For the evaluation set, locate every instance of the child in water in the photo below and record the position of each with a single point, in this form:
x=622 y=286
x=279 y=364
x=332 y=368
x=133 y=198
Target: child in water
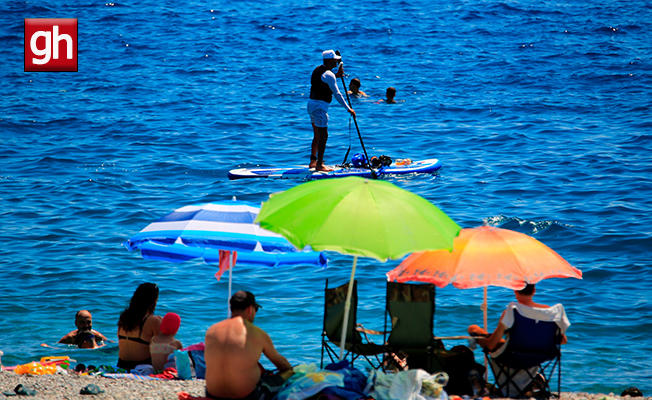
x=390 y=93
x=86 y=340
x=161 y=346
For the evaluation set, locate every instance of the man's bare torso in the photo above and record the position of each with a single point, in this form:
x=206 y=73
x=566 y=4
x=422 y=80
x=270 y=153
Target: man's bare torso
x=233 y=348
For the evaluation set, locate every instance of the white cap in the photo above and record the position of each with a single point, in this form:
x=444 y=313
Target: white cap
x=330 y=54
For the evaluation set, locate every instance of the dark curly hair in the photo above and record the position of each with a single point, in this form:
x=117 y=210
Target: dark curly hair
x=142 y=302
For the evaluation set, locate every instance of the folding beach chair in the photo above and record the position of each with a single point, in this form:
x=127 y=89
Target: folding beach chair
x=355 y=346
x=528 y=362
x=411 y=309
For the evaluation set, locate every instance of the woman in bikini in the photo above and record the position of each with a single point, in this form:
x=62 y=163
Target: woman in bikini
x=136 y=327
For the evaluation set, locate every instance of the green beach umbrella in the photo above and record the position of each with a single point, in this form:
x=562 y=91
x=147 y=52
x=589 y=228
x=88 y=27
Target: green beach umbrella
x=358 y=217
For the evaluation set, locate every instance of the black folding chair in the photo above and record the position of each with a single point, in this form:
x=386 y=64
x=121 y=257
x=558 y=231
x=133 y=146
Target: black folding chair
x=355 y=346
x=411 y=310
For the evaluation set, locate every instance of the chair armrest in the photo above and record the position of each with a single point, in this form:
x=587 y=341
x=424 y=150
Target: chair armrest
x=360 y=328
x=460 y=337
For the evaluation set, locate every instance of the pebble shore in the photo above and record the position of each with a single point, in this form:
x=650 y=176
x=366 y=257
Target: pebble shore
x=57 y=387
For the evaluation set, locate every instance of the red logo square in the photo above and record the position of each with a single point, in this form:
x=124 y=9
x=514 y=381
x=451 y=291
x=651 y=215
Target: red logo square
x=50 y=44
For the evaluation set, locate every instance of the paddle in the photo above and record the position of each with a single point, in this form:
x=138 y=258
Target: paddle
x=355 y=121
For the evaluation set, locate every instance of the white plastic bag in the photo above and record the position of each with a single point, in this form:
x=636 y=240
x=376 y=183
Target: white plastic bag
x=407 y=385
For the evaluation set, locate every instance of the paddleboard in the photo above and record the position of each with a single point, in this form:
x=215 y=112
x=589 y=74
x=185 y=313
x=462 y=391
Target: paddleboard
x=302 y=172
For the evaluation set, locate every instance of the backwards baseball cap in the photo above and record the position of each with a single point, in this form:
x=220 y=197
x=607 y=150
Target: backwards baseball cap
x=241 y=300
x=170 y=324
x=330 y=54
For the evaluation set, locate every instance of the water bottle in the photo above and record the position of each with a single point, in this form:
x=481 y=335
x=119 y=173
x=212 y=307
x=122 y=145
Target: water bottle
x=476 y=382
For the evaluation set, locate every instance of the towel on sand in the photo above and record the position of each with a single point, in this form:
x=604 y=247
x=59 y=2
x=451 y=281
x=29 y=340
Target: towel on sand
x=187 y=396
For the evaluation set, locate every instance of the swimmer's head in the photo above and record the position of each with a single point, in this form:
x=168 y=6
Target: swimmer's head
x=83 y=320
x=85 y=340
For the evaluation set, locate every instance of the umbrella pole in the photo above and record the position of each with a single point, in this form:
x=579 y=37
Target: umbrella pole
x=228 y=302
x=484 y=308
x=347 y=307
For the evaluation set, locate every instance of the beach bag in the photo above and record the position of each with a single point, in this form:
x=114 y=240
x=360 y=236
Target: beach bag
x=457 y=363
x=382 y=161
x=198 y=363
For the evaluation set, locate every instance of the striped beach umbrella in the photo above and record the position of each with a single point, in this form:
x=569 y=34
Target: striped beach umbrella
x=209 y=230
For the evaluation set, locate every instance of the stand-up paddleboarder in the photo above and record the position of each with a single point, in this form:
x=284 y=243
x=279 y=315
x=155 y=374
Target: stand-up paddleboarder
x=323 y=86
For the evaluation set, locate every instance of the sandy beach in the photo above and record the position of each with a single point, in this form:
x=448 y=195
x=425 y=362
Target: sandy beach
x=68 y=387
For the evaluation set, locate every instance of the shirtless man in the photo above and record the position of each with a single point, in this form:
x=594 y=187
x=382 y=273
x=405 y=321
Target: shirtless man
x=233 y=348
x=494 y=341
x=323 y=86
x=390 y=93
x=354 y=88
x=84 y=323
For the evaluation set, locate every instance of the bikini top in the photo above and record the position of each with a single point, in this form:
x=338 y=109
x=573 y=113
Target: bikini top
x=137 y=339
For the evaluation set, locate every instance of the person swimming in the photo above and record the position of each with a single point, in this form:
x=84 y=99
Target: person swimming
x=354 y=88
x=390 y=93
x=86 y=340
x=84 y=323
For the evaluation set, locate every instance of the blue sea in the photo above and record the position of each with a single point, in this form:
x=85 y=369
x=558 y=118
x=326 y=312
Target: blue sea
x=541 y=112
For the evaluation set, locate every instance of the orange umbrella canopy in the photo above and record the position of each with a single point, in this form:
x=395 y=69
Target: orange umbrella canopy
x=486 y=256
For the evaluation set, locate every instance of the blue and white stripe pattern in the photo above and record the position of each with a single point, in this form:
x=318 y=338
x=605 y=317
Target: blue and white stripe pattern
x=200 y=231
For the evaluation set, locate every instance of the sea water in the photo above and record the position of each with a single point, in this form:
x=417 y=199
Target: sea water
x=539 y=110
